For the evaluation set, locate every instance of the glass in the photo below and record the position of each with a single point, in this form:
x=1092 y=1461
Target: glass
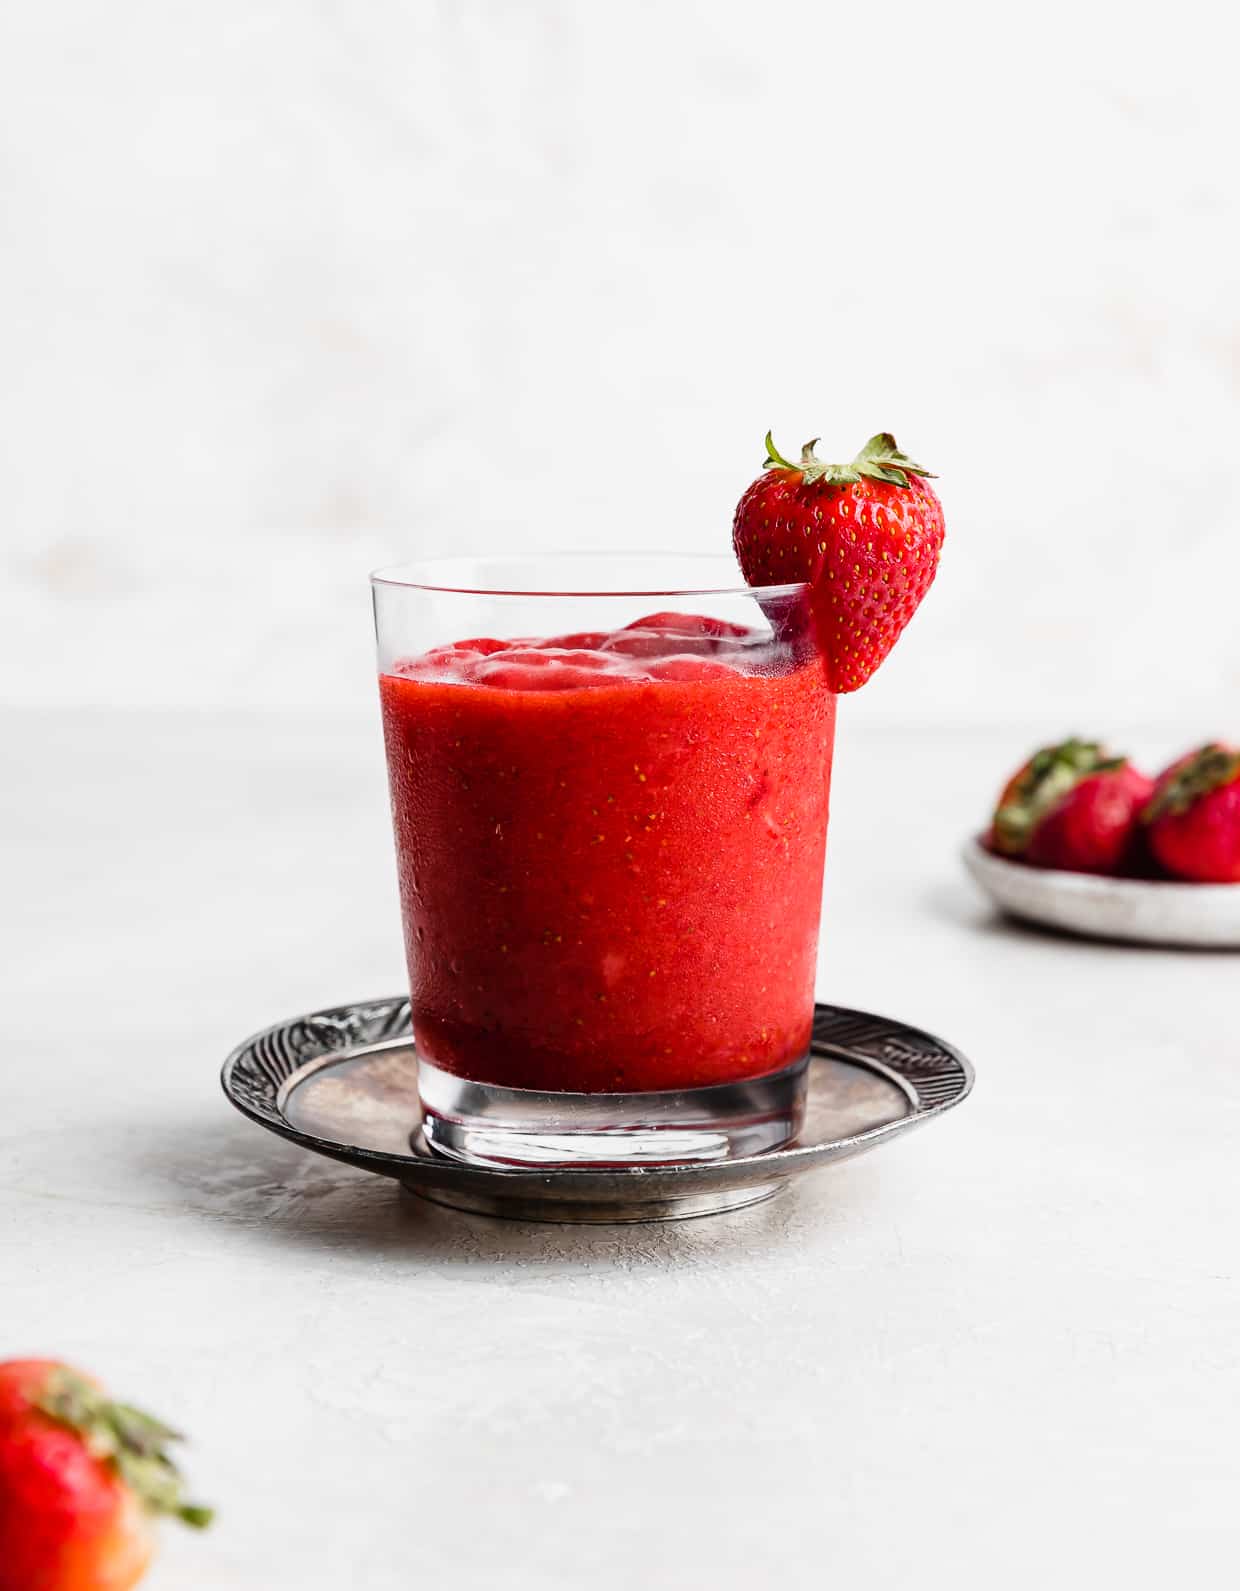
x=609 y=781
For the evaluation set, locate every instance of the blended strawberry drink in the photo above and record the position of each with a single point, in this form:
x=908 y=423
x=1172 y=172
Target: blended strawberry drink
x=610 y=846
x=609 y=785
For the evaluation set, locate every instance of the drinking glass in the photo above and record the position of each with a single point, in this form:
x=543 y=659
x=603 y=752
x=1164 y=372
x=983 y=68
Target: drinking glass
x=609 y=781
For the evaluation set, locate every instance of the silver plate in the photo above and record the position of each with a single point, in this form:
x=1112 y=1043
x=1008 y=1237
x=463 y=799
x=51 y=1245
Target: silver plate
x=343 y=1082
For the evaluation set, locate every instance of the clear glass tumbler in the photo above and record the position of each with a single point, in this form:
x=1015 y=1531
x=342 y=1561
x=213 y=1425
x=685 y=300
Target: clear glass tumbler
x=609 y=781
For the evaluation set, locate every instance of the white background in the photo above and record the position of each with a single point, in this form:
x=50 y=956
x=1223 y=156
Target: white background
x=291 y=288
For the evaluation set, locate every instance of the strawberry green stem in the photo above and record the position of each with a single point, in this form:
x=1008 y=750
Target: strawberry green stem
x=133 y=1443
x=879 y=460
x=1214 y=765
x=775 y=459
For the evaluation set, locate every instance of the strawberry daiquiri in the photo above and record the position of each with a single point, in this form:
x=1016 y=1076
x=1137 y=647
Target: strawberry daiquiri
x=609 y=785
x=611 y=853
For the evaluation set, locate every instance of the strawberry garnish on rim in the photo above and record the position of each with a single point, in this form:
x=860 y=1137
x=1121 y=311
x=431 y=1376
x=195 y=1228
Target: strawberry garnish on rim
x=866 y=536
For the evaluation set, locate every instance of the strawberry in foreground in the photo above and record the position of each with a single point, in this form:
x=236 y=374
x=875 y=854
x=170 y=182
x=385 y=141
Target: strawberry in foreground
x=1072 y=806
x=81 y=1481
x=1192 y=822
x=865 y=535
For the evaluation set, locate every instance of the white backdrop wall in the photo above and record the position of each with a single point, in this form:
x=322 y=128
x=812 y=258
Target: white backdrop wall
x=294 y=287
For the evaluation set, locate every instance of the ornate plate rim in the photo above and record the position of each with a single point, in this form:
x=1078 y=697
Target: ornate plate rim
x=263 y=1050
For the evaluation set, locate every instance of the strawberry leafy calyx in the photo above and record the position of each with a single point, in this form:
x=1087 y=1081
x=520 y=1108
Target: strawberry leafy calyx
x=1048 y=776
x=1210 y=768
x=879 y=460
x=132 y=1443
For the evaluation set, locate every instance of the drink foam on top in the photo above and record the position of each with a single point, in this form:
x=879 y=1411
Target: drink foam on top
x=663 y=646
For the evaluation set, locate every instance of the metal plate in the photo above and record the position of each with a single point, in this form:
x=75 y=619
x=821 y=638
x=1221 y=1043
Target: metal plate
x=1141 y=911
x=343 y=1082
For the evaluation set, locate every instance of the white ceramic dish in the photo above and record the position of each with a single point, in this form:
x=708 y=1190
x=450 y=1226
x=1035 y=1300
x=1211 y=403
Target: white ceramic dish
x=1144 y=911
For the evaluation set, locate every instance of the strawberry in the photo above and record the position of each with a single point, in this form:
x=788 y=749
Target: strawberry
x=81 y=1479
x=1192 y=823
x=1072 y=806
x=865 y=536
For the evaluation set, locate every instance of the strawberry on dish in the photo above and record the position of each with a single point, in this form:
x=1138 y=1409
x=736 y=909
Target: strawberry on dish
x=1192 y=822
x=1072 y=806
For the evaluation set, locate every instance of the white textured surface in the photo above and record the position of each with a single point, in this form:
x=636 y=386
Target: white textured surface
x=289 y=288
x=1002 y=1352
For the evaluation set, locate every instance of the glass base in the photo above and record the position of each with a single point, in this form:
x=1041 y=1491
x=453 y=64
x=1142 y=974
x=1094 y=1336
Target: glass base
x=483 y=1124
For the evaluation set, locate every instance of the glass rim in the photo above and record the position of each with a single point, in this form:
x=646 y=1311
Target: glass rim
x=434 y=575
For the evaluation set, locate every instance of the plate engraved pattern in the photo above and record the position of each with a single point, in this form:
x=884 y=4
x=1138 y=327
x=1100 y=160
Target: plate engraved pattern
x=935 y=1073
x=255 y=1073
